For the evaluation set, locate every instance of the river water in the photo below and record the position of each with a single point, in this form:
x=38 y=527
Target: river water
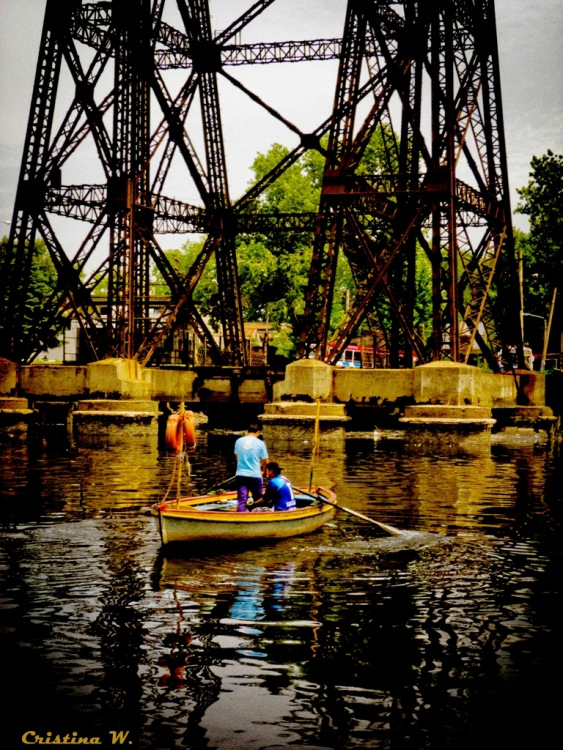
x=448 y=636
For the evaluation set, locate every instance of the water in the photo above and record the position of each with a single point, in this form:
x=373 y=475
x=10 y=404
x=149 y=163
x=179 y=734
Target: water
x=446 y=637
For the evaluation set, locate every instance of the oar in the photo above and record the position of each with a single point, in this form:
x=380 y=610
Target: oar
x=389 y=529
x=221 y=484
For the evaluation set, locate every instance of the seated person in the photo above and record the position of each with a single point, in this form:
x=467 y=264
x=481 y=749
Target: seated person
x=279 y=493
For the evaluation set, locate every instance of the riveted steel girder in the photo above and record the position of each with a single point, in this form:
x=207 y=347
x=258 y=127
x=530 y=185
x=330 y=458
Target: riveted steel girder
x=421 y=77
x=448 y=194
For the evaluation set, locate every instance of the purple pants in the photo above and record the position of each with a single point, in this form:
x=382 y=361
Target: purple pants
x=245 y=485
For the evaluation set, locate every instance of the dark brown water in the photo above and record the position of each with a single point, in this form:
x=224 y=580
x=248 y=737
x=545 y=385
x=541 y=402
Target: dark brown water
x=446 y=637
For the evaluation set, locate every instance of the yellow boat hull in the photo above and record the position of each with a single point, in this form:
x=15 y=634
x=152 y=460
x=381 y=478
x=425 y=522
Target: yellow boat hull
x=203 y=519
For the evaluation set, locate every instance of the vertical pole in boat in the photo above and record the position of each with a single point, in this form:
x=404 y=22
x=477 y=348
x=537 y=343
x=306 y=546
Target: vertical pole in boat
x=315 y=444
x=548 y=331
x=180 y=451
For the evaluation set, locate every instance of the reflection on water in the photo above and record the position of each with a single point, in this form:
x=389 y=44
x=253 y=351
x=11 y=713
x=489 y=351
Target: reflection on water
x=445 y=637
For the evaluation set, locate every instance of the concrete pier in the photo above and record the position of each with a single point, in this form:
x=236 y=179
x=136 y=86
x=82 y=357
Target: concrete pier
x=116 y=418
x=515 y=424
x=15 y=416
x=358 y=400
x=447 y=426
x=292 y=415
x=449 y=412
x=295 y=421
x=51 y=413
x=306 y=380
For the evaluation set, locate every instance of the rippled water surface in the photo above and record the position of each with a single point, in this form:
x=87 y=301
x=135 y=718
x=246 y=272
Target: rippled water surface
x=448 y=636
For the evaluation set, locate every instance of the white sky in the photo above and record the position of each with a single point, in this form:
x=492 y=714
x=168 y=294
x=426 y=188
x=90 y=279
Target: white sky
x=530 y=34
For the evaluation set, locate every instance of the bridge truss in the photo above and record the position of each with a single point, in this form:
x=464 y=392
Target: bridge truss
x=424 y=76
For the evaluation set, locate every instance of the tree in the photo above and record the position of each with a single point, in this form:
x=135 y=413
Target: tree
x=38 y=322
x=542 y=248
x=273 y=270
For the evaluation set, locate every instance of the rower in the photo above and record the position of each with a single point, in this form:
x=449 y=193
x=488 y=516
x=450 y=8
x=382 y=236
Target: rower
x=279 y=493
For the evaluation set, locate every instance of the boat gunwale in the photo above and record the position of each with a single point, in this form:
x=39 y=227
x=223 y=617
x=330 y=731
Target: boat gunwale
x=232 y=516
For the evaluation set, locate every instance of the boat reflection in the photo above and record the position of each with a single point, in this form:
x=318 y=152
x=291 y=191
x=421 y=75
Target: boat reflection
x=240 y=630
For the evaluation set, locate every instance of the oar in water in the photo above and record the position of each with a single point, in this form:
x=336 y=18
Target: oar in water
x=389 y=529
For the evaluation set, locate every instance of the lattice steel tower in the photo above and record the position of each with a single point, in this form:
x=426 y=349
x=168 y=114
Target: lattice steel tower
x=422 y=76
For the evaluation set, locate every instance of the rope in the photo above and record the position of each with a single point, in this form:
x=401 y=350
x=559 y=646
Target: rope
x=170 y=485
x=181 y=458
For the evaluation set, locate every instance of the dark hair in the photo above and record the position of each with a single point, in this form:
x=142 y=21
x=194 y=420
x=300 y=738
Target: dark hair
x=253 y=427
x=275 y=467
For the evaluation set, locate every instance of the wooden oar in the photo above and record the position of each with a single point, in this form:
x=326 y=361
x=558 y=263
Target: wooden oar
x=389 y=529
x=221 y=484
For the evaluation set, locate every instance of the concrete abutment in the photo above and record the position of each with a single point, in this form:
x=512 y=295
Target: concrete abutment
x=427 y=403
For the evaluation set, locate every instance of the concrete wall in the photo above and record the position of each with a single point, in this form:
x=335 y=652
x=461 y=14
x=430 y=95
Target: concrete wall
x=8 y=377
x=229 y=389
x=306 y=378
x=372 y=386
x=214 y=390
x=117 y=378
x=253 y=391
x=172 y=385
x=61 y=381
x=531 y=388
x=497 y=390
x=437 y=382
x=445 y=383
x=455 y=383
x=126 y=379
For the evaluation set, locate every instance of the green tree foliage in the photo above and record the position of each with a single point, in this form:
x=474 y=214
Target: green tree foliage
x=273 y=269
x=542 y=248
x=297 y=189
x=422 y=317
x=382 y=157
x=206 y=294
x=382 y=153
x=42 y=282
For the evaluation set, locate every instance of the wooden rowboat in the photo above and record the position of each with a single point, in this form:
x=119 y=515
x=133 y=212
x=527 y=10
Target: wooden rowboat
x=215 y=517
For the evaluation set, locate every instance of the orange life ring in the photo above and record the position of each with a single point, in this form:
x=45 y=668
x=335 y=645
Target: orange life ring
x=180 y=432
x=189 y=431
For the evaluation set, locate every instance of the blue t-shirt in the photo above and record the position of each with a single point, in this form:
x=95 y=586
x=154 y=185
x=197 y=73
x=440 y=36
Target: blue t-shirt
x=250 y=451
x=279 y=492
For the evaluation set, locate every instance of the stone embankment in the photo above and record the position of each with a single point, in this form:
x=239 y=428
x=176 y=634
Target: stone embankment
x=439 y=403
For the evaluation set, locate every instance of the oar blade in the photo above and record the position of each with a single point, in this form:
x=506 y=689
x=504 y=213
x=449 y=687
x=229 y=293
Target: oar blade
x=385 y=526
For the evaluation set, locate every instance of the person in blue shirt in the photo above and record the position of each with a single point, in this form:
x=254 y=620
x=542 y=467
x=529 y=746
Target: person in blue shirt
x=278 y=494
x=252 y=456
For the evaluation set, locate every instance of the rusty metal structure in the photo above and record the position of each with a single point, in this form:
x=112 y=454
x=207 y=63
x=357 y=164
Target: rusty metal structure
x=422 y=78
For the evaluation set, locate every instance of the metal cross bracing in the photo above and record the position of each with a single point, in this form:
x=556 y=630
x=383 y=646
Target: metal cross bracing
x=421 y=76
x=433 y=69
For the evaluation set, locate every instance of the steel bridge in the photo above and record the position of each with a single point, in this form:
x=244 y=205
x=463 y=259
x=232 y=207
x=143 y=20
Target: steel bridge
x=425 y=76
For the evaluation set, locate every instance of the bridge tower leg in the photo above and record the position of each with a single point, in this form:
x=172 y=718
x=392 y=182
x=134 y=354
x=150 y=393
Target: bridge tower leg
x=414 y=194
x=421 y=180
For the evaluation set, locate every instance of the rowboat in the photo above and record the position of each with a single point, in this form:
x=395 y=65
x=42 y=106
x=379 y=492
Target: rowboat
x=215 y=518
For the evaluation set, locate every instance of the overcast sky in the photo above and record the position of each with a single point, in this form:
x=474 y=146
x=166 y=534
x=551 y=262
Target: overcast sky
x=530 y=35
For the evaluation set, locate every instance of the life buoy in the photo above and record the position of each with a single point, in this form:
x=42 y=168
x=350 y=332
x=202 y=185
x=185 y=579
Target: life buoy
x=189 y=431
x=172 y=432
x=180 y=432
